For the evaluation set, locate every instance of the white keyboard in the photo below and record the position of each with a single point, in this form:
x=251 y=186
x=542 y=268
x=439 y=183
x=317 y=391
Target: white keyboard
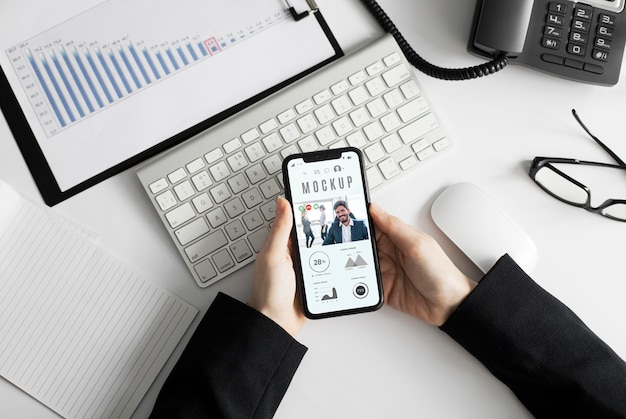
x=216 y=192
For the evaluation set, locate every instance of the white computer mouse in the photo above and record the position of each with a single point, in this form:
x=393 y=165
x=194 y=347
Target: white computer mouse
x=481 y=228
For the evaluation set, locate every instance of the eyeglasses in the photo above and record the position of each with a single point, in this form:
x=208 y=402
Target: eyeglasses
x=551 y=174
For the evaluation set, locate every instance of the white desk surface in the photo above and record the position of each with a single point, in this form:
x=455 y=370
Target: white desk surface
x=386 y=364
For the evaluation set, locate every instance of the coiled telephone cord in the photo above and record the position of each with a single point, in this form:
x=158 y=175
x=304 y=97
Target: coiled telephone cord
x=498 y=63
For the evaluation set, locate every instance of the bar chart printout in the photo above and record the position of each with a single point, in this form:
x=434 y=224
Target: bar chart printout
x=69 y=77
x=109 y=86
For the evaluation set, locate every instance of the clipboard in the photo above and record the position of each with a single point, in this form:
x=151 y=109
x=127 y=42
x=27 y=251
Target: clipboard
x=119 y=82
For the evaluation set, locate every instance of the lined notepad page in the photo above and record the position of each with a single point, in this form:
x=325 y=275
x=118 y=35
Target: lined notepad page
x=79 y=331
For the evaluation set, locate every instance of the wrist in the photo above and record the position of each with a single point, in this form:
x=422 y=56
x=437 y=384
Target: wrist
x=461 y=291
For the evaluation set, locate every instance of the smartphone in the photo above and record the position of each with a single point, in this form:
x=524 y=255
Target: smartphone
x=333 y=238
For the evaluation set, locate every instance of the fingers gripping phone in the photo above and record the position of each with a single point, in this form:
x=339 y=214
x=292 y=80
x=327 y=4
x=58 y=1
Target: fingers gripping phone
x=333 y=239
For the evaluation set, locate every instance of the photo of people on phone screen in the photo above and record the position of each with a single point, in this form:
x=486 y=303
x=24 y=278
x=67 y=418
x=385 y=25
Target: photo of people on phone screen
x=334 y=221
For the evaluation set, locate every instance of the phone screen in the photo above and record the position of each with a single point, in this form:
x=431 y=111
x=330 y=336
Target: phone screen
x=333 y=238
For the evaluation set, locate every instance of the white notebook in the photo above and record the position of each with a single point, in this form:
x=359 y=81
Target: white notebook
x=79 y=331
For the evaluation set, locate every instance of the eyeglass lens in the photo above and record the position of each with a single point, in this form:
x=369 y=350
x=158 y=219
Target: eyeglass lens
x=561 y=186
x=617 y=211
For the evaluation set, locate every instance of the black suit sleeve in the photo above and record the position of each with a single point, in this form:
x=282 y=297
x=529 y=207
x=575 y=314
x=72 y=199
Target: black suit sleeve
x=238 y=364
x=539 y=348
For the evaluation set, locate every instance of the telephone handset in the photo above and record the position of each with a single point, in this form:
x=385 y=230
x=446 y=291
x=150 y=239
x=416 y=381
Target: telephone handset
x=581 y=41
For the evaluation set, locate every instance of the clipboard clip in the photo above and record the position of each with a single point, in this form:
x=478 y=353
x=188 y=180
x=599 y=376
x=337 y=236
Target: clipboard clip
x=298 y=16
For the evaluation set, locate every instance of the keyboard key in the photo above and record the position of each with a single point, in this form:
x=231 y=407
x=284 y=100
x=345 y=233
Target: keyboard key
x=420 y=145
x=269 y=188
x=216 y=217
x=268 y=125
x=241 y=250
x=180 y=215
x=307 y=124
x=322 y=97
x=205 y=270
x=286 y=116
x=326 y=135
x=158 y=186
x=235 y=230
x=425 y=153
x=177 y=175
x=341 y=105
x=223 y=261
x=356 y=139
x=413 y=109
x=375 y=68
x=408 y=163
x=252 y=220
x=418 y=128
x=192 y=231
x=184 y=190
x=308 y=144
x=359 y=96
x=441 y=144
x=195 y=165
x=289 y=133
x=374 y=152
x=324 y=114
x=396 y=75
x=202 y=180
x=376 y=107
x=213 y=156
x=255 y=174
x=251 y=198
x=273 y=164
x=166 y=200
x=392 y=59
x=340 y=87
x=219 y=171
x=220 y=193
x=393 y=98
x=358 y=77
x=237 y=161
x=272 y=142
x=375 y=86
x=391 y=143
x=234 y=208
x=410 y=89
x=238 y=183
x=232 y=145
x=202 y=202
x=342 y=127
x=390 y=122
x=304 y=106
x=250 y=135
x=389 y=168
x=359 y=117
x=374 y=131
x=255 y=152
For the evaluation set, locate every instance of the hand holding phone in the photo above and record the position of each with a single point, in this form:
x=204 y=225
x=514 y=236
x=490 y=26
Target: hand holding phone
x=329 y=196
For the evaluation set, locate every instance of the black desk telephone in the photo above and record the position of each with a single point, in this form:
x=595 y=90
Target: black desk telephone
x=581 y=41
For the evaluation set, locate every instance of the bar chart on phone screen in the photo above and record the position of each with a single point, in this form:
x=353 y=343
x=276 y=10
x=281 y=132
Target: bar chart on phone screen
x=92 y=61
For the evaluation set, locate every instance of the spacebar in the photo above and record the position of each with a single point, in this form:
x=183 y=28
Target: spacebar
x=207 y=245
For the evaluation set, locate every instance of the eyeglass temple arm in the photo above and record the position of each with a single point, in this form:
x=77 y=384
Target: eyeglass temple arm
x=597 y=140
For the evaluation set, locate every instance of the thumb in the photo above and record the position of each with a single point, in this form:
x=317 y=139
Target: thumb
x=279 y=235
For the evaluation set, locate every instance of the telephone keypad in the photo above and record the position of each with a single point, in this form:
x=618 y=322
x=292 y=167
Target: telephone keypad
x=572 y=32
